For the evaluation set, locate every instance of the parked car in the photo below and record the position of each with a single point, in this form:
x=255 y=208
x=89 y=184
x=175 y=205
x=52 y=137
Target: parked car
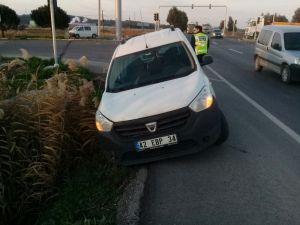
x=158 y=103
x=278 y=49
x=216 y=33
x=83 y=32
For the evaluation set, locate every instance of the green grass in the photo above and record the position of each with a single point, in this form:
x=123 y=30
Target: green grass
x=88 y=195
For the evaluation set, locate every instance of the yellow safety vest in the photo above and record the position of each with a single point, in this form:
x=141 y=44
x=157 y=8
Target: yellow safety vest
x=201 y=43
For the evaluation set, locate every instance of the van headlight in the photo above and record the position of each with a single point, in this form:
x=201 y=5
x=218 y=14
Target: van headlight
x=297 y=61
x=103 y=124
x=204 y=100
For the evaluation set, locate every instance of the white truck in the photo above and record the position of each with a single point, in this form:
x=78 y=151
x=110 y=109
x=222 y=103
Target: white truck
x=83 y=31
x=254 y=27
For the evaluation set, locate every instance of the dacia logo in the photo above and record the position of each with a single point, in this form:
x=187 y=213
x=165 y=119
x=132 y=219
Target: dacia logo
x=151 y=126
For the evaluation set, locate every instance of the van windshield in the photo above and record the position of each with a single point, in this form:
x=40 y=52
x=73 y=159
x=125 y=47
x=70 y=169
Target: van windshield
x=292 y=41
x=150 y=66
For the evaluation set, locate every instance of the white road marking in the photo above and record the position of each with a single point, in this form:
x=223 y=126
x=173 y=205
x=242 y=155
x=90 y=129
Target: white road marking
x=236 y=51
x=265 y=112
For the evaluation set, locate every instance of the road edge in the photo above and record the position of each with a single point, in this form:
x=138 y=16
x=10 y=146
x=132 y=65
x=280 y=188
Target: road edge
x=129 y=206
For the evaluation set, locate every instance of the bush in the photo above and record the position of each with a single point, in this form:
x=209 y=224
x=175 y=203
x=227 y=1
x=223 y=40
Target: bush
x=46 y=128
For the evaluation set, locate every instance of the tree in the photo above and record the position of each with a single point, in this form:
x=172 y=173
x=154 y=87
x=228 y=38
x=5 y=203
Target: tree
x=177 y=18
x=41 y=17
x=277 y=18
x=221 y=25
x=9 y=19
x=296 y=17
x=231 y=24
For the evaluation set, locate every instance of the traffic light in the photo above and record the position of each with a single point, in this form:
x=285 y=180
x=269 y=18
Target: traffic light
x=235 y=22
x=209 y=6
x=156 y=17
x=192 y=6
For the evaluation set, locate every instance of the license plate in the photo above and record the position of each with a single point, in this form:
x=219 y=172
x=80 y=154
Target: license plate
x=156 y=142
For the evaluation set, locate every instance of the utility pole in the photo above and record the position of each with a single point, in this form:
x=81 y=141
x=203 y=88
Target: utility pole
x=102 y=21
x=99 y=17
x=53 y=33
x=118 y=15
x=142 y=20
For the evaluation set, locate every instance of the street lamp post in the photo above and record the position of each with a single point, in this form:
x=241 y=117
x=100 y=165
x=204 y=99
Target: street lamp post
x=118 y=16
x=99 y=16
x=53 y=33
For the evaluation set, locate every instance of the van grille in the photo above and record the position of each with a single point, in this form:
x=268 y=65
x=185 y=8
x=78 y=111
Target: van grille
x=165 y=122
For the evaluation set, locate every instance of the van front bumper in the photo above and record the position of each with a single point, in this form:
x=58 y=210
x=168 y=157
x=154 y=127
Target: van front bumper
x=200 y=130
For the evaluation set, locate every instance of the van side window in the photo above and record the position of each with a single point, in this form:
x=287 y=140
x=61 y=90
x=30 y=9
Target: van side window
x=276 y=42
x=80 y=29
x=87 y=28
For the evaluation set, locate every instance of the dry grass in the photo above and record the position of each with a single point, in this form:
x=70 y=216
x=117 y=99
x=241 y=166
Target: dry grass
x=42 y=132
x=107 y=33
x=36 y=33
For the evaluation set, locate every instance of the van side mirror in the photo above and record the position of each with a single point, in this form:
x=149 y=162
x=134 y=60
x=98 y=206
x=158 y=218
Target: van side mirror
x=206 y=60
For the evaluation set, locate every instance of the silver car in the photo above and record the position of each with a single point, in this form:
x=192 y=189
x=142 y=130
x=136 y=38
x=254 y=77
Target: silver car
x=278 y=49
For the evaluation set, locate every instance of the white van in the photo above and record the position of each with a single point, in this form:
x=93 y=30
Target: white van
x=158 y=103
x=84 y=31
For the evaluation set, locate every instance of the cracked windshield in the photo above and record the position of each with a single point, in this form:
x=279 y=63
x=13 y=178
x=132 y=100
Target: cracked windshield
x=158 y=112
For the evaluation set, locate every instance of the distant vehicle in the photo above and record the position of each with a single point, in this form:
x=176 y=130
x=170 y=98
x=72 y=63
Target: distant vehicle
x=216 y=33
x=278 y=49
x=84 y=31
x=157 y=102
x=206 y=28
x=254 y=27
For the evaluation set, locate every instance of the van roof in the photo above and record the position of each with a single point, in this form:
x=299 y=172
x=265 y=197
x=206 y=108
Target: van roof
x=149 y=40
x=282 y=28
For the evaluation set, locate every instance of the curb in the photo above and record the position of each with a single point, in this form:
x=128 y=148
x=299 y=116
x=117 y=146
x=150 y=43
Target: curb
x=129 y=206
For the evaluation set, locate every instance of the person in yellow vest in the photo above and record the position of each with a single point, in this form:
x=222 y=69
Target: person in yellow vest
x=200 y=42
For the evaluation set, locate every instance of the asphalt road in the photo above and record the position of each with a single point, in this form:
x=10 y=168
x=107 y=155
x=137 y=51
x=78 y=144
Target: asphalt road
x=254 y=178
x=98 y=52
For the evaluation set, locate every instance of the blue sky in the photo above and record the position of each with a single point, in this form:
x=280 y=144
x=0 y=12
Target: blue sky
x=241 y=10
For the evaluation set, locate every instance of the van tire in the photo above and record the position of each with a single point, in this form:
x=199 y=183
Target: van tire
x=258 y=67
x=94 y=36
x=77 y=36
x=224 y=133
x=286 y=74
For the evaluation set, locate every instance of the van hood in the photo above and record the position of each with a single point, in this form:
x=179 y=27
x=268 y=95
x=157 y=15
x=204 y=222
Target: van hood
x=151 y=100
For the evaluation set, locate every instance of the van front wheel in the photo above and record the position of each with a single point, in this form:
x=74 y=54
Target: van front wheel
x=286 y=74
x=77 y=36
x=94 y=36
